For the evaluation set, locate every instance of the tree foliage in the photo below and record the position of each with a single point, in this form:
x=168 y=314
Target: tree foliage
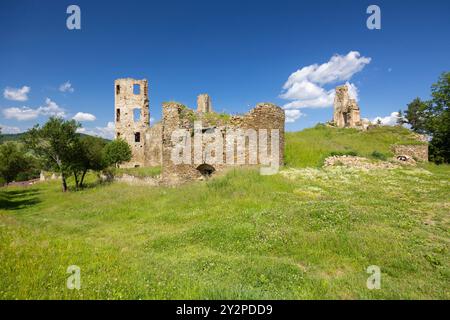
x=88 y=156
x=117 y=152
x=13 y=161
x=56 y=143
x=433 y=118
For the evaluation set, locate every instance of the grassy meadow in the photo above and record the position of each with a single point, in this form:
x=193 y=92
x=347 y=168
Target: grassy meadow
x=305 y=233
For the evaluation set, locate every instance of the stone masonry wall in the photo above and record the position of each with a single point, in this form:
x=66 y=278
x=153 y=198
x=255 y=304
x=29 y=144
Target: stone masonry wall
x=263 y=116
x=418 y=152
x=127 y=100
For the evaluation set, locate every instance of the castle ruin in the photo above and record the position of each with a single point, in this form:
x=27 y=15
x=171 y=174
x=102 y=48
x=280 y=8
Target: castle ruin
x=346 y=110
x=256 y=134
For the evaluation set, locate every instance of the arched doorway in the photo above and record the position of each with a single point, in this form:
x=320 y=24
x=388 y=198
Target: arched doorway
x=206 y=170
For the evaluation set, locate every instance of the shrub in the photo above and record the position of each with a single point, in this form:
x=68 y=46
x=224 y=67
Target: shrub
x=378 y=155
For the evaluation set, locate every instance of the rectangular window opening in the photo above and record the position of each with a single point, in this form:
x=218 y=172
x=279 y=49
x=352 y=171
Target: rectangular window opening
x=117 y=89
x=137 y=114
x=118 y=115
x=137 y=137
x=137 y=89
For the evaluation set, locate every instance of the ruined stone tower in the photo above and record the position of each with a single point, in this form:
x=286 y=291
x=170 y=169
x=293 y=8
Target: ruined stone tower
x=346 y=110
x=132 y=116
x=204 y=104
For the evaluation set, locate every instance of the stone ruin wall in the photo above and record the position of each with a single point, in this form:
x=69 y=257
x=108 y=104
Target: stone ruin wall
x=131 y=98
x=346 y=110
x=418 y=152
x=152 y=146
x=153 y=143
x=263 y=116
x=127 y=128
x=204 y=104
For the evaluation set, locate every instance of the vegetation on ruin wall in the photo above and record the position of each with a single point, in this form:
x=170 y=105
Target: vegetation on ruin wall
x=306 y=233
x=140 y=172
x=211 y=118
x=311 y=146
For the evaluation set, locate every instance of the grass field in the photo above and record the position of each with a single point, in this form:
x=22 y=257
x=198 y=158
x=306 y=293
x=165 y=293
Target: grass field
x=306 y=233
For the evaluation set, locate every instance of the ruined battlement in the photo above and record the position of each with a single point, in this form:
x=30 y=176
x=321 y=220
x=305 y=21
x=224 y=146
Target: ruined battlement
x=258 y=136
x=346 y=110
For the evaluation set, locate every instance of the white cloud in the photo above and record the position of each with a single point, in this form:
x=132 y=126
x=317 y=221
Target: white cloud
x=66 y=87
x=51 y=109
x=16 y=94
x=352 y=91
x=81 y=116
x=104 y=132
x=305 y=86
x=390 y=120
x=25 y=113
x=9 y=129
x=292 y=115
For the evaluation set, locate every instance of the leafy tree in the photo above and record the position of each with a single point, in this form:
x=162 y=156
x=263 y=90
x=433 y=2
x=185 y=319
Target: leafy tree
x=88 y=156
x=117 y=152
x=56 y=143
x=13 y=161
x=417 y=115
x=438 y=125
x=433 y=118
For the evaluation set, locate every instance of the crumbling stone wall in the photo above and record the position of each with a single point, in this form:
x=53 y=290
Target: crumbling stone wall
x=264 y=116
x=132 y=123
x=131 y=99
x=204 y=104
x=418 y=152
x=172 y=121
x=152 y=146
x=346 y=110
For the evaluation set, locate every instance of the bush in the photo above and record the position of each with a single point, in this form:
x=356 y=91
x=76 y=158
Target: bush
x=378 y=155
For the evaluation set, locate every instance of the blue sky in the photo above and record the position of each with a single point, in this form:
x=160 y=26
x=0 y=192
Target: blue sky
x=239 y=52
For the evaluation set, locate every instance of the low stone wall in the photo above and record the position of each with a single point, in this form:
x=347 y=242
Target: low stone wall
x=418 y=152
x=137 y=181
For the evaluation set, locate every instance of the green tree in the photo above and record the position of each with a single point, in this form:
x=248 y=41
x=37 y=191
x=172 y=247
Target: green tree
x=417 y=115
x=439 y=122
x=117 y=152
x=13 y=161
x=433 y=118
x=56 y=143
x=88 y=156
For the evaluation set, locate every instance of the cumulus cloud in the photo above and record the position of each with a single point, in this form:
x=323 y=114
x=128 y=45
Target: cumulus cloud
x=306 y=86
x=20 y=94
x=8 y=129
x=292 y=115
x=25 y=113
x=106 y=132
x=66 y=87
x=81 y=116
x=390 y=120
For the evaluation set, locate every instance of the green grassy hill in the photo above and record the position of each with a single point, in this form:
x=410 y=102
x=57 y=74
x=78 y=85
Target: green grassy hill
x=309 y=147
x=305 y=233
